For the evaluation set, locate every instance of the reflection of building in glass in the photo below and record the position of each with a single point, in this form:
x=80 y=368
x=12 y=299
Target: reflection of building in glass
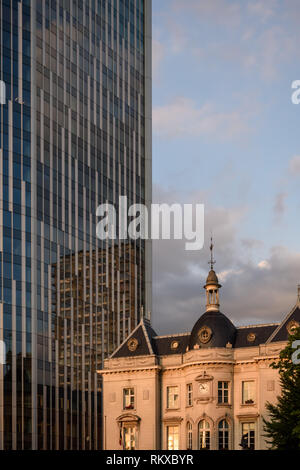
x=96 y=302
x=75 y=132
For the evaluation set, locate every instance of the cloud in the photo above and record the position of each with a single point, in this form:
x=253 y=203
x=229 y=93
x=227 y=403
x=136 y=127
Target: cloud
x=251 y=244
x=217 y=11
x=182 y=118
x=245 y=42
x=264 y=52
x=264 y=265
x=275 y=47
x=244 y=46
x=178 y=279
x=294 y=165
x=252 y=292
x=264 y=10
x=224 y=275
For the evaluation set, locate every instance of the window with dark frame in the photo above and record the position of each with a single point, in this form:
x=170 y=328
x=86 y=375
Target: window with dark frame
x=189 y=394
x=248 y=436
x=223 y=435
x=223 y=392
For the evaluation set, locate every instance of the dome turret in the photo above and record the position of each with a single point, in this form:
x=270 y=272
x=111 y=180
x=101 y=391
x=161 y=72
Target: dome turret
x=212 y=286
x=212 y=279
x=213 y=329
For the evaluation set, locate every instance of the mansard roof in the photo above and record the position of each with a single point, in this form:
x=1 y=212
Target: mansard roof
x=260 y=333
x=164 y=345
x=222 y=330
x=142 y=335
x=281 y=332
x=144 y=341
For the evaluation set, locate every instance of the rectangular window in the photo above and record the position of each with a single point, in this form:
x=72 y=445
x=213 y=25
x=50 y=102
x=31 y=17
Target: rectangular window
x=128 y=398
x=130 y=438
x=248 y=393
x=248 y=436
x=223 y=429
x=173 y=438
x=172 y=397
x=189 y=395
x=223 y=392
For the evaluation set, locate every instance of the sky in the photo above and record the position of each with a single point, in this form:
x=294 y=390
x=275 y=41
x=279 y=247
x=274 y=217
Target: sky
x=226 y=134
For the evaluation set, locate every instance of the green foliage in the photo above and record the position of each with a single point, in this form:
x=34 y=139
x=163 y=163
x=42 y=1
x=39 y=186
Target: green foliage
x=283 y=427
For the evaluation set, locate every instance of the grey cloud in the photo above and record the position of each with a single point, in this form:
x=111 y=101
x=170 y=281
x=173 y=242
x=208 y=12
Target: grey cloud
x=253 y=292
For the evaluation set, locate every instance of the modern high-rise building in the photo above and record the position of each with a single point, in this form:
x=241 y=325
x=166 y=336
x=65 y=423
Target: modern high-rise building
x=75 y=132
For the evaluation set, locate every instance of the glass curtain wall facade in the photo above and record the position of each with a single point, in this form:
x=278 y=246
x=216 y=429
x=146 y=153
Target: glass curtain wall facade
x=75 y=132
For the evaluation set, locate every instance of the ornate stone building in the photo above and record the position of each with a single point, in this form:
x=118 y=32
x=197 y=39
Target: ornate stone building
x=201 y=390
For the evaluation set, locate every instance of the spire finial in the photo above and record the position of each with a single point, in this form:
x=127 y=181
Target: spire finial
x=299 y=294
x=212 y=261
x=212 y=285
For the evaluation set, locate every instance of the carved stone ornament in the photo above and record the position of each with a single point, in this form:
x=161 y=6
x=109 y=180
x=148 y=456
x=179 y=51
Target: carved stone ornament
x=132 y=344
x=251 y=337
x=174 y=345
x=204 y=377
x=292 y=327
x=205 y=334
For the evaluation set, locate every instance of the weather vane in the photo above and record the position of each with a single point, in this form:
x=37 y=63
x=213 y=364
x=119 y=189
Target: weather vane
x=212 y=261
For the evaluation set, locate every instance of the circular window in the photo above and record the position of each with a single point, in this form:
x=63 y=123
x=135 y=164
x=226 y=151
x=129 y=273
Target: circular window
x=132 y=344
x=292 y=327
x=174 y=345
x=205 y=334
x=251 y=337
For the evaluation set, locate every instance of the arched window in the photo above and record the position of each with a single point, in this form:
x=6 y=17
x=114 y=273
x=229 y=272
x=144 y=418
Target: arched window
x=129 y=438
x=203 y=435
x=223 y=429
x=189 y=437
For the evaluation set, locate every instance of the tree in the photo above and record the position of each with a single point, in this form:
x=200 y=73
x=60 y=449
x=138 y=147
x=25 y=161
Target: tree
x=283 y=427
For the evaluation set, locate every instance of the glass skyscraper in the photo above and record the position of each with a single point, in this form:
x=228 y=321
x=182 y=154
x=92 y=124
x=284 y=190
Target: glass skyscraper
x=75 y=132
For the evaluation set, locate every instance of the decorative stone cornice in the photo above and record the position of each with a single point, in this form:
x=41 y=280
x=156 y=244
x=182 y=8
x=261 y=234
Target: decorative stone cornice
x=128 y=370
x=248 y=416
x=128 y=418
x=172 y=419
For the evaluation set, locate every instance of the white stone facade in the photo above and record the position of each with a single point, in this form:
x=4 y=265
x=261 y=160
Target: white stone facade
x=151 y=376
x=206 y=389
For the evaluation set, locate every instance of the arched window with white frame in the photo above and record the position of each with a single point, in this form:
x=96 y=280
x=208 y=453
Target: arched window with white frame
x=204 y=435
x=189 y=436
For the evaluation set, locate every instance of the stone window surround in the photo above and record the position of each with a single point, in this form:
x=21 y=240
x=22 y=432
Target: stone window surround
x=242 y=404
x=221 y=404
x=166 y=395
x=134 y=395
